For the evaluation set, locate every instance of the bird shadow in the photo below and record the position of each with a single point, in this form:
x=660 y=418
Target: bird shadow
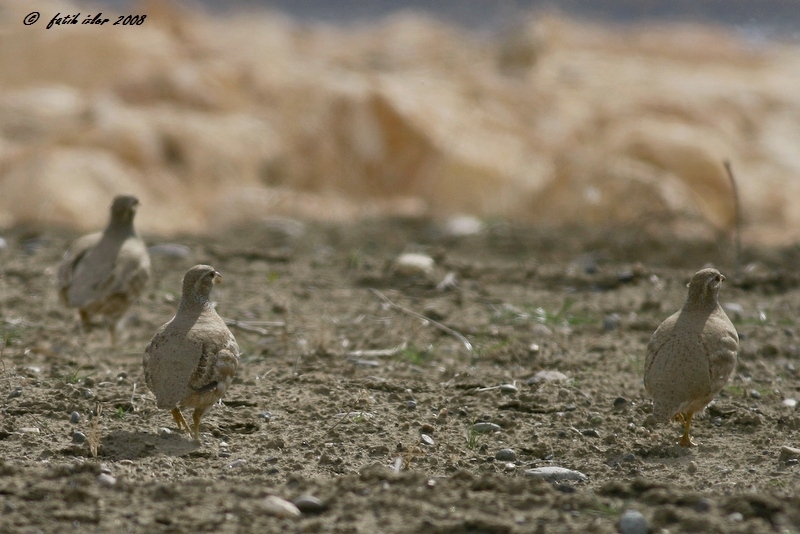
x=124 y=445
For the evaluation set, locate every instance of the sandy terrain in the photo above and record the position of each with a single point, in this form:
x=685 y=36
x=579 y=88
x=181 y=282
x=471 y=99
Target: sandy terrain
x=386 y=441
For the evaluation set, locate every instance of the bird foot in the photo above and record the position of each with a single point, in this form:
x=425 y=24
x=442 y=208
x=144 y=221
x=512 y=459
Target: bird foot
x=181 y=421
x=686 y=441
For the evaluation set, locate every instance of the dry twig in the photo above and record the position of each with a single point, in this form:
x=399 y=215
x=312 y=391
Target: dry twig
x=251 y=326
x=440 y=326
x=376 y=353
x=737 y=206
x=94 y=431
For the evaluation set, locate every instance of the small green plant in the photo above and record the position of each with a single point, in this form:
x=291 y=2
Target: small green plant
x=474 y=438
x=735 y=390
x=75 y=377
x=602 y=509
x=354 y=258
x=359 y=418
x=10 y=334
x=120 y=413
x=415 y=356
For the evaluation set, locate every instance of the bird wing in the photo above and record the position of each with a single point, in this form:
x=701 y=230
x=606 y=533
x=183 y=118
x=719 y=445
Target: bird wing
x=111 y=268
x=722 y=346
x=661 y=337
x=131 y=269
x=72 y=257
x=169 y=361
x=216 y=365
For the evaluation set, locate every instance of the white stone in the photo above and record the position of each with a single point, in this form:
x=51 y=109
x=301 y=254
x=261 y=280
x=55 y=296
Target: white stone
x=553 y=474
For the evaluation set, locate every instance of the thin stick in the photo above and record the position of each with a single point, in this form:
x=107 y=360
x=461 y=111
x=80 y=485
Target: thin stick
x=133 y=394
x=738 y=217
x=94 y=431
x=412 y=313
x=247 y=327
x=375 y=353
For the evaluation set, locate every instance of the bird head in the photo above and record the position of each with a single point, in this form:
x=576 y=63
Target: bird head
x=198 y=282
x=704 y=286
x=124 y=208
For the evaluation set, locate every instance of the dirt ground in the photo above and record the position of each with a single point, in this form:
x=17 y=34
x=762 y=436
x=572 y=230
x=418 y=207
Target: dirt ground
x=364 y=414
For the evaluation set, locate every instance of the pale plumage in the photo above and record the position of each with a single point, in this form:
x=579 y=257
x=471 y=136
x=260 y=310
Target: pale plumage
x=692 y=354
x=191 y=360
x=104 y=273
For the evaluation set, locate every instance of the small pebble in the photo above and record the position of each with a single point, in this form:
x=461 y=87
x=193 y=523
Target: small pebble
x=164 y=432
x=508 y=388
x=74 y=418
x=788 y=453
x=278 y=507
x=29 y=430
x=620 y=402
x=411 y=405
x=104 y=479
x=554 y=474
x=702 y=506
x=308 y=504
x=16 y=392
x=692 y=467
x=88 y=394
x=3 y=243
x=413 y=264
x=364 y=363
x=591 y=433
x=626 y=276
x=610 y=322
x=754 y=394
x=629 y=457
x=789 y=403
x=534 y=348
x=236 y=463
x=426 y=440
x=78 y=437
x=633 y=522
x=541 y=330
x=485 y=428
x=736 y=516
x=265 y=415
x=506 y=455
x=547 y=376
x=463 y=225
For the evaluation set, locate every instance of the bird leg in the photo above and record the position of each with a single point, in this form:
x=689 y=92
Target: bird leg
x=86 y=324
x=179 y=420
x=196 y=415
x=686 y=419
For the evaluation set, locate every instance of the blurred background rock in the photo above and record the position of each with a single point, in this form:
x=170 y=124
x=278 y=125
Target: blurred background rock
x=613 y=114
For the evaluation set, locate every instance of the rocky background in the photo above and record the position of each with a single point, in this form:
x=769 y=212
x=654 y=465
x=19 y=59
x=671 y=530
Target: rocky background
x=217 y=119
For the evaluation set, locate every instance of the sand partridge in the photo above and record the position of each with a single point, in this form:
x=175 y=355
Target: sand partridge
x=103 y=273
x=191 y=360
x=691 y=355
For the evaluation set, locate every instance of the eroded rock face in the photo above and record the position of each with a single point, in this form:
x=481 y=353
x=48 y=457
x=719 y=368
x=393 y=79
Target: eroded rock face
x=554 y=122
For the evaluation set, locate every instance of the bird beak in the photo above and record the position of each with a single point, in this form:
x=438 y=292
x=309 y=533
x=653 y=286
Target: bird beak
x=217 y=278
